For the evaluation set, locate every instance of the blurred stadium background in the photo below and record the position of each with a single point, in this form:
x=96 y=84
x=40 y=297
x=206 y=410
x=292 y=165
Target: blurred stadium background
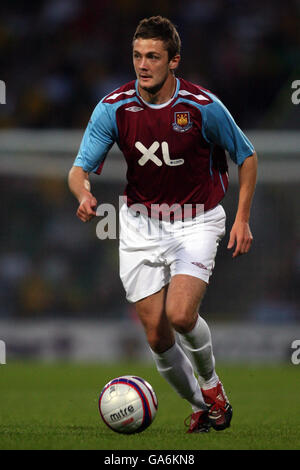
x=60 y=294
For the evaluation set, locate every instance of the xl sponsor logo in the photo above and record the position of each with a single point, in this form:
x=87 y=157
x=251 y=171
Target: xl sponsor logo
x=149 y=154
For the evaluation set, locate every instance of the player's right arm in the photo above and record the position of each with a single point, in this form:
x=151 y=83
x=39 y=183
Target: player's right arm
x=98 y=138
x=80 y=186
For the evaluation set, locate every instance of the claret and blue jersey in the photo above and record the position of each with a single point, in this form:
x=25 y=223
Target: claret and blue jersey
x=175 y=151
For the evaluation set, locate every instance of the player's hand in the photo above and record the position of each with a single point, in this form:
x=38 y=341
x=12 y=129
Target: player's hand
x=87 y=208
x=240 y=238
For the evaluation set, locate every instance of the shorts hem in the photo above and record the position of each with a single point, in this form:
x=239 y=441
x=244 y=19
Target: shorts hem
x=143 y=295
x=203 y=276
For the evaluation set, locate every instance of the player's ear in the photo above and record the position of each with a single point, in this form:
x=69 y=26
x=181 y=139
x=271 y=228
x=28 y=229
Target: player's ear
x=174 y=62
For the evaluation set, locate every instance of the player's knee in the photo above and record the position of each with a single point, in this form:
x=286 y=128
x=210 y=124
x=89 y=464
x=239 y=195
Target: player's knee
x=158 y=343
x=181 y=319
x=153 y=341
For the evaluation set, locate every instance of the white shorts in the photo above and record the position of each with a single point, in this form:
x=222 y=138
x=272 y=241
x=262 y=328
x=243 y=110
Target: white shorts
x=152 y=251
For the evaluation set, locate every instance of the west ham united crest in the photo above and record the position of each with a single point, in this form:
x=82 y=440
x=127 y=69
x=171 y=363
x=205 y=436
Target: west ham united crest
x=182 y=122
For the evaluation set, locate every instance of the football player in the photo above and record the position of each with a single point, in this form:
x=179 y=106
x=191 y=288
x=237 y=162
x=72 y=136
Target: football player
x=173 y=135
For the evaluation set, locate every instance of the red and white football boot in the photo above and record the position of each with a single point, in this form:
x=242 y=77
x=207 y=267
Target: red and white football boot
x=199 y=422
x=219 y=408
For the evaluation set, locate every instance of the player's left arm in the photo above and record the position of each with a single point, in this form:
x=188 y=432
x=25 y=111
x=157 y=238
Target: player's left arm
x=219 y=127
x=240 y=236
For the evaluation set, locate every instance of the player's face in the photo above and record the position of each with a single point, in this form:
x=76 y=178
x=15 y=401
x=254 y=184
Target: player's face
x=151 y=64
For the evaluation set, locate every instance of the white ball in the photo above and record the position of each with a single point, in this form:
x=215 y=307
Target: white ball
x=128 y=404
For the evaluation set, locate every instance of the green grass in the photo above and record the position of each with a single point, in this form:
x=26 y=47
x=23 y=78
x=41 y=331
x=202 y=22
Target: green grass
x=55 y=406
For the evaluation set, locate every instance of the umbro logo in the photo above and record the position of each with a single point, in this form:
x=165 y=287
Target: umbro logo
x=200 y=265
x=134 y=109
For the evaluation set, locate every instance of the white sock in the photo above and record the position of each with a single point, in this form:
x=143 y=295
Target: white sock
x=198 y=345
x=177 y=369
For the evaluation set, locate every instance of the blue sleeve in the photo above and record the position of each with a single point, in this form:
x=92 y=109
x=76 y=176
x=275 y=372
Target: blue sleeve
x=220 y=128
x=97 y=140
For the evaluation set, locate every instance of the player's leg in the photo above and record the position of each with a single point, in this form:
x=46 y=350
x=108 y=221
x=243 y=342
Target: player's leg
x=170 y=360
x=160 y=335
x=182 y=305
x=145 y=279
x=192 y=263
x=184 y=297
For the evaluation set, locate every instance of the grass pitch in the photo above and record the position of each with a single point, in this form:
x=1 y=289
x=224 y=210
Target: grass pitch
x=55 y=406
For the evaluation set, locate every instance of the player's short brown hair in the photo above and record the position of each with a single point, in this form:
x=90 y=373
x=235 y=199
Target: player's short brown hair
x=158 y=27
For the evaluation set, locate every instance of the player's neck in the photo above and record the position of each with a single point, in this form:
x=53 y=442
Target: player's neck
x=161 y=96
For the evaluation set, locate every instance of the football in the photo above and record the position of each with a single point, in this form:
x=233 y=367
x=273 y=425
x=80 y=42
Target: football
x=128 y=404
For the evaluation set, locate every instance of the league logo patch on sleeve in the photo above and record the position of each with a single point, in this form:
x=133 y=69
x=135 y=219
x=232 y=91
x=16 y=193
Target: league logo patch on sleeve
x=182 y=121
